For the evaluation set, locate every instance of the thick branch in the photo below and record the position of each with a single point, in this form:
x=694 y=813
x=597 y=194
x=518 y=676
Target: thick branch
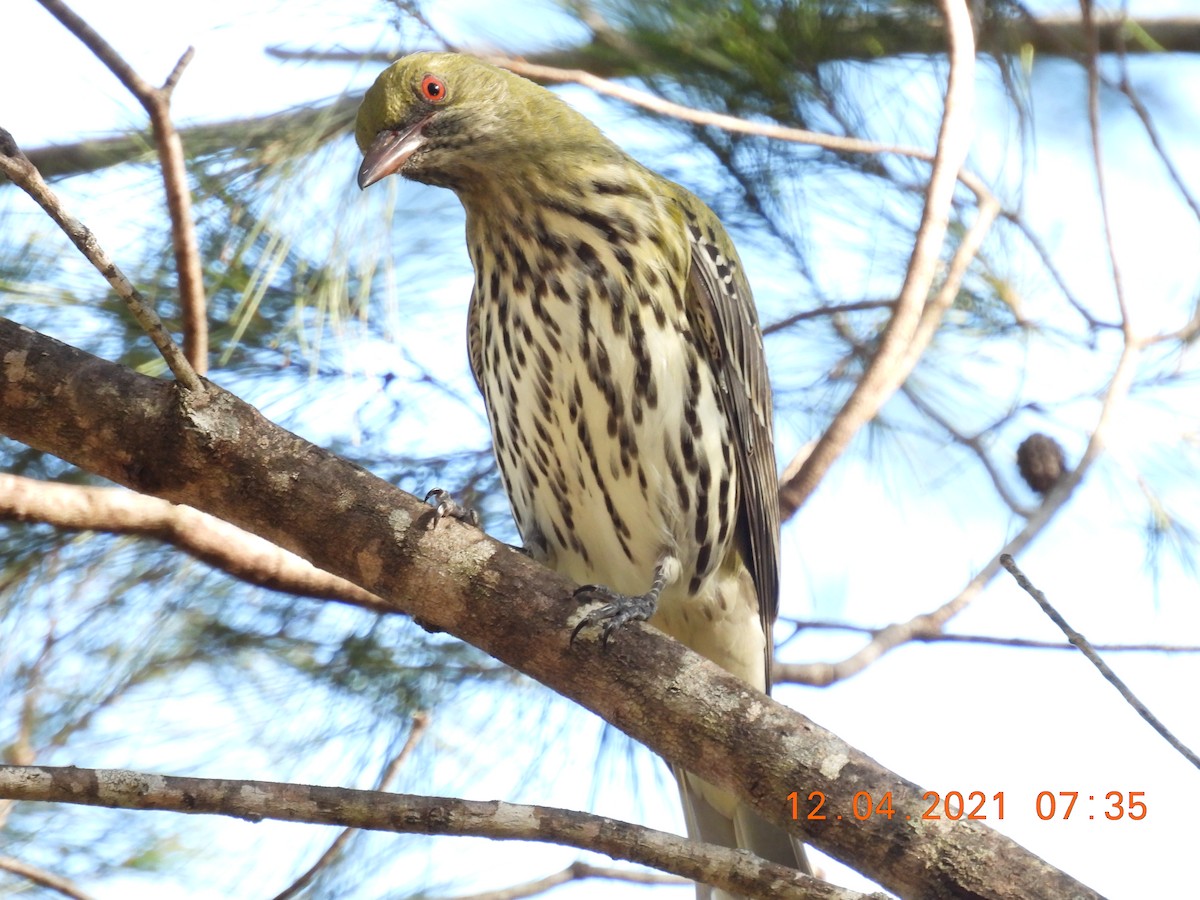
x=212 y=451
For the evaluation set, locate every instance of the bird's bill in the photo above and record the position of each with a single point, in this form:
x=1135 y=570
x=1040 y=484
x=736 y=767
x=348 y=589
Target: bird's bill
x=388 y=152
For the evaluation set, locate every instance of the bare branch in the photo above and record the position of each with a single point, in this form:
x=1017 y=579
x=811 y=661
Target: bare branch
x=207 y=538
x=798 y=481
x=1092 y=35
x=157 y=103
x=801 y=625
x=17 y=167
x=1044 y=254
x=1079 y=641
x=834 y=309
x=1125 y=86
x=733 y=870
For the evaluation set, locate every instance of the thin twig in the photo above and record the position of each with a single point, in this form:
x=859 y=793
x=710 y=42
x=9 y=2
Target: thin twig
x=1047 y=258
x=17 y=167
x=41 y=877
x=1093 y=106
x=801 y=625
x=833 y=309
x=577 y=871
x=157 y=103
x=1079 y=641
x=972 y=442
x=420 y=723
x=1126 y=88
x=1109 y=34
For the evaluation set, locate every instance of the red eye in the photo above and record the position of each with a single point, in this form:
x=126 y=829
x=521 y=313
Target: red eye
x=433 y=89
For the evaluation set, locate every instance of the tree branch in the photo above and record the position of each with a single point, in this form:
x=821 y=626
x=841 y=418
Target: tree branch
x=217 y=453
x=894 y=358
x=1081 y=643
x=157 y=103
x=221 y=545
x=268 y=132
x=734 y=124
x=1093 y=109
x=255 y=801
x=801 y=625
x=41 y=877
x=17 y=167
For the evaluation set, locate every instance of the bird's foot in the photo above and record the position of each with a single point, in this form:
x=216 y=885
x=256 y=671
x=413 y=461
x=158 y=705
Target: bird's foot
x=618 y=609
x=445 y=505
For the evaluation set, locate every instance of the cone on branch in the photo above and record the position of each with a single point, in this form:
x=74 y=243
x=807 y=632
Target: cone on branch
x=1041 y=462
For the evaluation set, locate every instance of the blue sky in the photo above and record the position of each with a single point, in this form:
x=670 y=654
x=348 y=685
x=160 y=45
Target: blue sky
x=949 y=717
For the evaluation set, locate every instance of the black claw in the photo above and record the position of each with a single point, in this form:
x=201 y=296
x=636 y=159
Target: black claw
x=615 y=614
x=446 y=505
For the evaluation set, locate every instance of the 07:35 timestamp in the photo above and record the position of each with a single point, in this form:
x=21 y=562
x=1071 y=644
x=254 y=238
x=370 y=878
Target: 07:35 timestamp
x=976 y=805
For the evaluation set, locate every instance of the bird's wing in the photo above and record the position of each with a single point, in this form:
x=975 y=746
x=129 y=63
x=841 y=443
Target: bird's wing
x=721 y=308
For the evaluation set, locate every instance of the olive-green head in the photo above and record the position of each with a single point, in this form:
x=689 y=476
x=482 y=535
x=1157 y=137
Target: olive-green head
x=456 y=121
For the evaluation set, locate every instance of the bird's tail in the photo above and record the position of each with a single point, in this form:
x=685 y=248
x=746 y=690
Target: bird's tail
x=718 y=817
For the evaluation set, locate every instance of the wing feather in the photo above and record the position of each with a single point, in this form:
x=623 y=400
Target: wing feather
x=721 y=308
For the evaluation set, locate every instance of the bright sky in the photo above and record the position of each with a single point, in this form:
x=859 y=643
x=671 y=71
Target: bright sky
x=962 y=718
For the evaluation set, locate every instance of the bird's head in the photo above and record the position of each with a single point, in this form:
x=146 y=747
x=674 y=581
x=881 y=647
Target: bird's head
x=455 y=121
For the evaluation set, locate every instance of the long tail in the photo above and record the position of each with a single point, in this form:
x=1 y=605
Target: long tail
x=716 y=816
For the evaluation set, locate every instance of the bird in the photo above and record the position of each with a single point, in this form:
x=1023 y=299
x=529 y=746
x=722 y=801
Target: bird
x=613 y=335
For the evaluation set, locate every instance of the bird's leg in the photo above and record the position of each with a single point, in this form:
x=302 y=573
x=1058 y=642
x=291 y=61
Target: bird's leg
x=445 y=505
x=619 y=609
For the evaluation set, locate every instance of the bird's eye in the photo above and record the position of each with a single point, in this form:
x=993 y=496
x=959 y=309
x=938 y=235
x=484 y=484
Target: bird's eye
x=433 y=89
